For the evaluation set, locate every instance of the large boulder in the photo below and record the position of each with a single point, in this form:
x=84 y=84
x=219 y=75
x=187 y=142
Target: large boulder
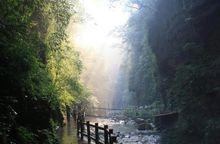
x=140 y=120
x=143 y=124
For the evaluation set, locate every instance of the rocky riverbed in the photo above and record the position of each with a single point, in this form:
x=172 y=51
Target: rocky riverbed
x=127 y=131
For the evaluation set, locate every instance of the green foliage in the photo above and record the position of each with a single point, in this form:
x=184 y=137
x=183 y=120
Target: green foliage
x=186 y=48
x=144 y=112
x=39 y=71
x=25 y=135
x=140 y=63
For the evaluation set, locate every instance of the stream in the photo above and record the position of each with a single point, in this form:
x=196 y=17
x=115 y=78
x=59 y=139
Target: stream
x=127 y=133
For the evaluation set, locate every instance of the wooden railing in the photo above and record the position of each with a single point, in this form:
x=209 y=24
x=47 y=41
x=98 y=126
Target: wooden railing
x=100 y=135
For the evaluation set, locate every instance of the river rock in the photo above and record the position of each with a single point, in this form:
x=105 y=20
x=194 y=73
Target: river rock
x=141 y=124
x=134 y=138
x=131 y=122
x=144 y=139
x=132 y=133
x=140 y=121
x=150 y=139
x=122 y=122
x=127 y=136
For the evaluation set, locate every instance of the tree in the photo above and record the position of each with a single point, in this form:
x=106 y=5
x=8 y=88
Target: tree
x=40 y=72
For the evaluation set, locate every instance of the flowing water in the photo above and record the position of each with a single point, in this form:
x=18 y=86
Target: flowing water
x=126 y=131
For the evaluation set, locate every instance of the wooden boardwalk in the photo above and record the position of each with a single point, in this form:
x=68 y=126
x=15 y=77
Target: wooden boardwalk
x=68 y=134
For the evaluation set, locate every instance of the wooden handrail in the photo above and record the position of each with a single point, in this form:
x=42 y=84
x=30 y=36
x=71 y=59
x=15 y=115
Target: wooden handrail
x=109 y=137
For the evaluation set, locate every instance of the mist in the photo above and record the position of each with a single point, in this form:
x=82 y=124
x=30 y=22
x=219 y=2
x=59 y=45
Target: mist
x=100 y=43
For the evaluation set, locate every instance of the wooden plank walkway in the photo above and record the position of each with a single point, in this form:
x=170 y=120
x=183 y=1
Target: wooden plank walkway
x=68 y=134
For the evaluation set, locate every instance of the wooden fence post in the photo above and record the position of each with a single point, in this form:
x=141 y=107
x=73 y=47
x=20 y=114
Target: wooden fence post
x=106 y=134
x=82 y=129
x=110 y=135
x=88 y=131
x=78 y=126
x=113 y=139
x=96 y=133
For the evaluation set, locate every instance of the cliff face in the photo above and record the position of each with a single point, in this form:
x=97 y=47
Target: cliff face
x=184 y=35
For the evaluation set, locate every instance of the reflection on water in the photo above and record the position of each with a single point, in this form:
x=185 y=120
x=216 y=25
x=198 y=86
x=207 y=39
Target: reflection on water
x=67 y=134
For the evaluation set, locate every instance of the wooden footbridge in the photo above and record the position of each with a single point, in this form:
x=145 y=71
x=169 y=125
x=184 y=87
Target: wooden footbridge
x=104 y=112
x=110 y=109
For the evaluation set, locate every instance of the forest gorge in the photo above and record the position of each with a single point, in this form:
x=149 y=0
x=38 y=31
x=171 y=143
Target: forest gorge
x=172 y=63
